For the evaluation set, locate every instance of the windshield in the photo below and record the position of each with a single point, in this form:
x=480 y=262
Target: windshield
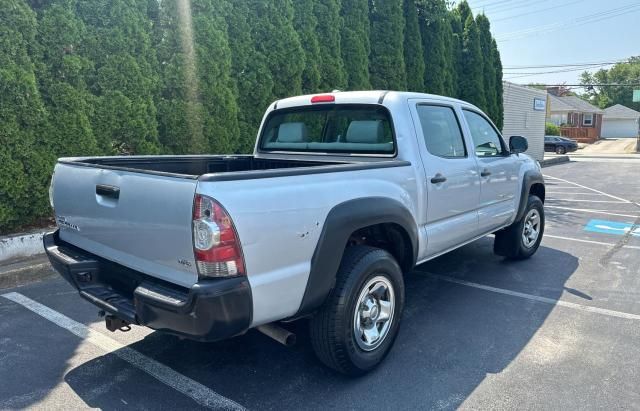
x=358 y=129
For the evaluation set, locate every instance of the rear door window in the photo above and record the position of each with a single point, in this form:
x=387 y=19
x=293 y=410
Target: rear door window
x=330 y=128
x=441 y=131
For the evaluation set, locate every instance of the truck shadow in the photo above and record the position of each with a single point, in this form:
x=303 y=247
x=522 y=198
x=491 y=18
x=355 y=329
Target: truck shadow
x=453 y=336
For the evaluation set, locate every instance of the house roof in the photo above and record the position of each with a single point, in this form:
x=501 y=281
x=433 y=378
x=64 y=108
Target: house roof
x=621 y=112
x=572 y=103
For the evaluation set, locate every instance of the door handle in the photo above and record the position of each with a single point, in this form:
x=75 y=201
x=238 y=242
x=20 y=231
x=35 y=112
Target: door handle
x=108 y=191
x=438 y=178
x=485 y=173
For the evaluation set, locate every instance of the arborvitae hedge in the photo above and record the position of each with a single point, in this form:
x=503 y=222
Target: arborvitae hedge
x=386 y=62
x=102 y=77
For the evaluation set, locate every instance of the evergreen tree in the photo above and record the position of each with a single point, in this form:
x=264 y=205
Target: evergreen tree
x=251 y=76
x=306 y=25
x=125 y=79
x=456 y=29
x=332 y=69
x=180 y=111
x=24 y=171
x=61 y=76
x=386 y=61
x=431 y=16
x=488 y=67
x=355 y=44
x=452 y=51
x=497 y=64
x=275 y=38
x=213 y=62
x=464 y=11
x=413 y=48
x=472 y=81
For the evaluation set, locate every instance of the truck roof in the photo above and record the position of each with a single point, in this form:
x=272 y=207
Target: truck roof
x=362 y=97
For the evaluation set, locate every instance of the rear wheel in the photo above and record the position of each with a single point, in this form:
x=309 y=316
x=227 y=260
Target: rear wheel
x=356 y=327
x=561 y=150
x=522 y=239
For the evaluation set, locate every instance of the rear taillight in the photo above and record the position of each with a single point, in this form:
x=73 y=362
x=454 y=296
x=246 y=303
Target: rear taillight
x=215 y=241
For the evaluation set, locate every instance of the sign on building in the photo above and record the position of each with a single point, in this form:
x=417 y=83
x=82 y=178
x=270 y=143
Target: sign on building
x=636 y=96
x=539 y=104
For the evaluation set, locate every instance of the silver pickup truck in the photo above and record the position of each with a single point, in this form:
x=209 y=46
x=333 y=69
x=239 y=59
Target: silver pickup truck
x=344 y=193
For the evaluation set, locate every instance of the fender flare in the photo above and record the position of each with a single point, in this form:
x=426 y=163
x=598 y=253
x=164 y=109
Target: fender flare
x=530 y=178
x=342 y=221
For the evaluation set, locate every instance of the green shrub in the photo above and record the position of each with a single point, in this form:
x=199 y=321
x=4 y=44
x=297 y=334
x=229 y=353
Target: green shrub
x=551 y=129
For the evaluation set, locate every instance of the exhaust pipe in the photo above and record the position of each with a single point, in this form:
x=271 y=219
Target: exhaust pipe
x=278 y=333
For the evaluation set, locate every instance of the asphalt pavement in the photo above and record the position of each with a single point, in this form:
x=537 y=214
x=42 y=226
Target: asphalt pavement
x=558 y=331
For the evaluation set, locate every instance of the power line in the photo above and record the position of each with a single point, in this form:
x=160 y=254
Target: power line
x=587 y=85
x=520 y=5
x=519 y=75
x=561 y=25
x=536 y=11
x=587 y=65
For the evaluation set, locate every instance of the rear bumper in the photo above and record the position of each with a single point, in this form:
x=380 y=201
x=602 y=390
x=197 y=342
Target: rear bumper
x=208 y=311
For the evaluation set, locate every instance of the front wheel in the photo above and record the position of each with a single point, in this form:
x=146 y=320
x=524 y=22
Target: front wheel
x=355 y=329
x=561 y=150
x=522 y=239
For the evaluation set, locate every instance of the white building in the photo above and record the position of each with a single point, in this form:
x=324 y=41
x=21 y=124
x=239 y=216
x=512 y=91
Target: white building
x=620 y=122
x=525 y=112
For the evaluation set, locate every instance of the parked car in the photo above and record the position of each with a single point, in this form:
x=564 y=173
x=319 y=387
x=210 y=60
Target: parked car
x=559 y=145
x=343 y=194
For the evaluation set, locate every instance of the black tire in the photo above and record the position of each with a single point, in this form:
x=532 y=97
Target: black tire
x=561 y=150
x=332 y=327
x=510 y=242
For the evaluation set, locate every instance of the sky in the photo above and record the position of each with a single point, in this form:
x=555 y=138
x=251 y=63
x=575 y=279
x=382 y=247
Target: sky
x=561 y=32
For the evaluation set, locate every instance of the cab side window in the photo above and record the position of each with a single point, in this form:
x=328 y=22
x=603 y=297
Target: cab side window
x=485 y=138
x=441 y=131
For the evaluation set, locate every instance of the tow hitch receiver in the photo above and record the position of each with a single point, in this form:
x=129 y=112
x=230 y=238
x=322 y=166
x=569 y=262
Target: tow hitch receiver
x=114 y=323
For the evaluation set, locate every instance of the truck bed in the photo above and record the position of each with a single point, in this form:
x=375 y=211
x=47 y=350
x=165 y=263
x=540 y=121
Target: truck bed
x=224 y=168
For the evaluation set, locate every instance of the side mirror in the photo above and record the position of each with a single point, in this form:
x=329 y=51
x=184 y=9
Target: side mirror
x=518 y=144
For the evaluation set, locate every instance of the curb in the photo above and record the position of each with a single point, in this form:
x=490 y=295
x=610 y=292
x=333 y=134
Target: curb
x=21 y=245
x=553 y=161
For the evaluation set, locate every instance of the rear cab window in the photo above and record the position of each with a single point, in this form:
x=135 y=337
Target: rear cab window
x=330 y=128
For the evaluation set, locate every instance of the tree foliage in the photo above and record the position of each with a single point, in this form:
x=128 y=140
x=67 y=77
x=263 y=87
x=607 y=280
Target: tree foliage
x=471 y=79
x=276 y=38
x=332 y=69
x=386 y=61
x=306 y=25
x=604 y=96
x=23 y=165
x=355 y=44
x=489 y=75
x=104 y=77
x=413 y=47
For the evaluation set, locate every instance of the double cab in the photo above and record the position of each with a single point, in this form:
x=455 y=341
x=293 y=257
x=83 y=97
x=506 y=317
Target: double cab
x=343 y=193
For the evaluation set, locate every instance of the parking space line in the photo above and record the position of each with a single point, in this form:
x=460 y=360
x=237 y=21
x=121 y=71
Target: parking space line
x=185 y=385
x=588 y=210
x=582 y=200
x=573 y=193
x=592 y=189
x=631 y=247
x=551 y=301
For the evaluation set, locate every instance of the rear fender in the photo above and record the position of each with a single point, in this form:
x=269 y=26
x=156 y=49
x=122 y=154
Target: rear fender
x=342 y=221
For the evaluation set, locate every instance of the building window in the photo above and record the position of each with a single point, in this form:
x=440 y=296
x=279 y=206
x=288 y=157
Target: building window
x=587 y=119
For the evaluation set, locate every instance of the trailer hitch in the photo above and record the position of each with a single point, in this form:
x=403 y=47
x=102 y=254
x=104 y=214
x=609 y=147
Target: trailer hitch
x=114 y=323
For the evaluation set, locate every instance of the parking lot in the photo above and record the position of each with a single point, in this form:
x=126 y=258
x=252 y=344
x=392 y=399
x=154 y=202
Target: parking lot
x=558 y=331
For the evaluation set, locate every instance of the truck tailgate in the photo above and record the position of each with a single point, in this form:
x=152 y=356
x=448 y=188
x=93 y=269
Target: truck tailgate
x=142 y=221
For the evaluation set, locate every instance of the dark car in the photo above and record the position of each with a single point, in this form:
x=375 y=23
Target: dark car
x=559 y=145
